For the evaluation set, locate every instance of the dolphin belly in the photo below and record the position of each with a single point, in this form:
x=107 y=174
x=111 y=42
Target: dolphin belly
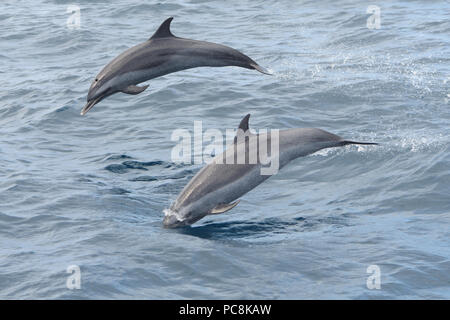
x=205 y=191
x=175 y=64
x=232 y=190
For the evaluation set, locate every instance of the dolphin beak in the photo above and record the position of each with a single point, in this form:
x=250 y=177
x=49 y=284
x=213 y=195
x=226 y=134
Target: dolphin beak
x=90 y=105
x=171 y=221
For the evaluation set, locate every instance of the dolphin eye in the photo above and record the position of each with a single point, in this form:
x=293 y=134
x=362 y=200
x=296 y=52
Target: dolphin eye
x=96 y=79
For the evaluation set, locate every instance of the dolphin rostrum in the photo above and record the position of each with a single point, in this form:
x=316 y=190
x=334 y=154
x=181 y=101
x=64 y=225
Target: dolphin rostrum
x=217 y=186
x=162 y=54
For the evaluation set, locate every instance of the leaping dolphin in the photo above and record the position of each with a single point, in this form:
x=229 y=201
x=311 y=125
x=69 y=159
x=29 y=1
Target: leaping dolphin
x=162 y=54
x=215 y=187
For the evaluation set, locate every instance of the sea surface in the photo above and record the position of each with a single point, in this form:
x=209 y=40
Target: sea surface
x=89 y=191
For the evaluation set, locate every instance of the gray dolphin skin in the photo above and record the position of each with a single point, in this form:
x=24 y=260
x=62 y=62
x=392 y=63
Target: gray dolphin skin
x=162 y=54
x=217 y=186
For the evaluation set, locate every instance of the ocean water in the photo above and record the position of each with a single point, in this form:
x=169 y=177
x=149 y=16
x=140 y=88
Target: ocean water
x=90 y=191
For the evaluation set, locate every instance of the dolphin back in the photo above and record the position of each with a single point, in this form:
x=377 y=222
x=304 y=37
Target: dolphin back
x=195 y=53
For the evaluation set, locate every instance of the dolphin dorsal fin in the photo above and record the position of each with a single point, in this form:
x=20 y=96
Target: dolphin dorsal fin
x=243 y=127
x=244 y=123
x=163 y=30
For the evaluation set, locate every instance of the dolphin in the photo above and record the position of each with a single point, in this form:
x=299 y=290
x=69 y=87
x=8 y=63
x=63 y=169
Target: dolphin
x=162 y=54
x=217 y=186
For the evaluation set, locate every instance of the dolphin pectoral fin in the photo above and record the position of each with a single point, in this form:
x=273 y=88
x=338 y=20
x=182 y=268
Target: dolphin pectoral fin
x=134 y=89
x=260 y=69
x=221 y=208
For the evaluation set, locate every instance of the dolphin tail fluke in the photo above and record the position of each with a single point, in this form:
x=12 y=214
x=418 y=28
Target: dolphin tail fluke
x=221 y=208
x=260 y=69
x=346 y=142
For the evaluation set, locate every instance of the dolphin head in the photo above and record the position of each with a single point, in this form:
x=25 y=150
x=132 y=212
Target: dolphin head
x=180 y=216
x=173 y=220
x=100 y=89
